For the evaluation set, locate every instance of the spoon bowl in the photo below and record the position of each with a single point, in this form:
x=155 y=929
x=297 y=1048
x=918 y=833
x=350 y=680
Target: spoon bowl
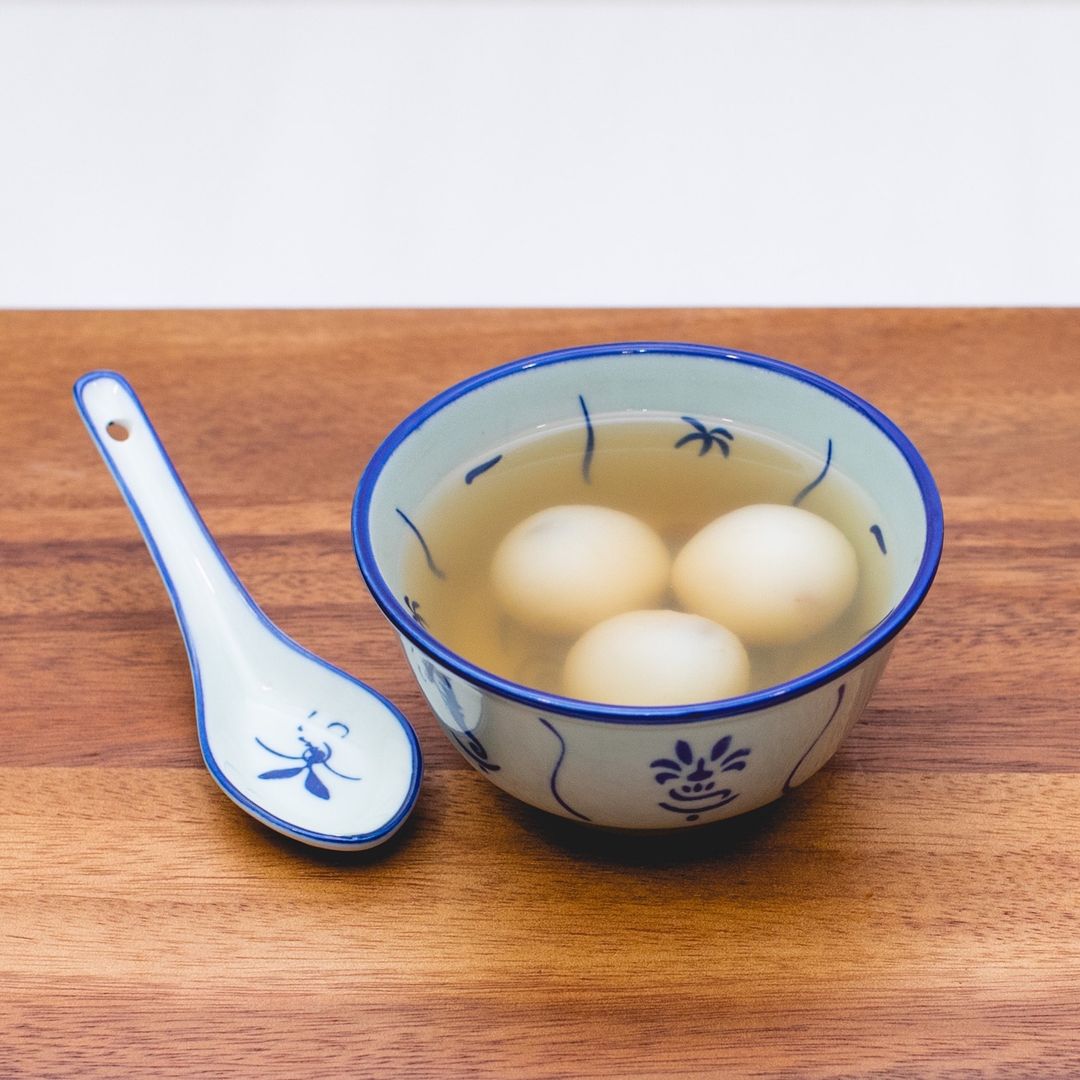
x=300 y=745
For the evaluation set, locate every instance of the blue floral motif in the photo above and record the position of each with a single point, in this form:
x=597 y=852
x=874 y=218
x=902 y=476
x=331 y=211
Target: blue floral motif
x=472 y=474
x=466 y=740
x=789 y=783
x=693 y=787
x=719 y=437
x=553 y=783
x=590 y=442
x=310 y=757
x=414 y=611
x=423 y=543
x=817 y=479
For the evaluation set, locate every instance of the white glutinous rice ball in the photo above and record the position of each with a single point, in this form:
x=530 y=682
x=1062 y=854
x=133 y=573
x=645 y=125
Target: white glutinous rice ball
x=567 y=567
x=656 y=658
x=774 y=575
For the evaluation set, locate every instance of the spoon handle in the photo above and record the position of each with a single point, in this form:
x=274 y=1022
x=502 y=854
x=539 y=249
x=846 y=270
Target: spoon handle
x=211 y=605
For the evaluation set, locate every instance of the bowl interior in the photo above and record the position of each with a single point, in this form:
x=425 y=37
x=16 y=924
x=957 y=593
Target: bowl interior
x=458 y=430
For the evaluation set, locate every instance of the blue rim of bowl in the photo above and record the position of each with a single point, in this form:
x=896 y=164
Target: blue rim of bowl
x=401 y=618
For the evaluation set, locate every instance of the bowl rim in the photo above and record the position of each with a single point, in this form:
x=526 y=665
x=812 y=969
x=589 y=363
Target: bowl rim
x=879 y=636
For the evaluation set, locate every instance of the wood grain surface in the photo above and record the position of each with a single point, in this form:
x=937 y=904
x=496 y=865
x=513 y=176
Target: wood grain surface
x=912 y=911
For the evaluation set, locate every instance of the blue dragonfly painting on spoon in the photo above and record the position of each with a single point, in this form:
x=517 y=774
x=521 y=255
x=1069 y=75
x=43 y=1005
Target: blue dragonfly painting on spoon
x=311 y=756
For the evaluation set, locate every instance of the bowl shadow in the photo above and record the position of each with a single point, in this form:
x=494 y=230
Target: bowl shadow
x=730 y=838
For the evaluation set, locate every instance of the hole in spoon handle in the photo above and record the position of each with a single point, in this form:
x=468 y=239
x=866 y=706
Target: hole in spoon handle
x=111 y=410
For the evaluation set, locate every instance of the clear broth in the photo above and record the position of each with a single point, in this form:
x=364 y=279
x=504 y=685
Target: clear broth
x=634 y=466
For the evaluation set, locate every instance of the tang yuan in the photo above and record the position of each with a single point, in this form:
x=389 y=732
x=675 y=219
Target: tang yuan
x=656 y=658
x=776 y=575
x=543 y=537
x=568 y=567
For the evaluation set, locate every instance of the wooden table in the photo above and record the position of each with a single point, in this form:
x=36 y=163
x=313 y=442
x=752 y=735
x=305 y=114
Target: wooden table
x=912 y=911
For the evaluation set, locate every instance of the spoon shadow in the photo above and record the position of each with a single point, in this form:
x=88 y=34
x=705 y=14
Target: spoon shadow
x=251 y=833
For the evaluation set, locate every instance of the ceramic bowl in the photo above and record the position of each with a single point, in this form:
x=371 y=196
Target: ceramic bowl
x=645 y=768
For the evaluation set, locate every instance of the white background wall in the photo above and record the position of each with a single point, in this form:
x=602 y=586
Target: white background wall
x=546 y=152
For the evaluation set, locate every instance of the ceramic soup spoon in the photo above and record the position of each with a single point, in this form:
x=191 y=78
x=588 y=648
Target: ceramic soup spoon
x=298 y=744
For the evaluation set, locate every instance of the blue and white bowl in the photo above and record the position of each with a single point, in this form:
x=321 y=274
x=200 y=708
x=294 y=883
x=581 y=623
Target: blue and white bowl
x=645 y=768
